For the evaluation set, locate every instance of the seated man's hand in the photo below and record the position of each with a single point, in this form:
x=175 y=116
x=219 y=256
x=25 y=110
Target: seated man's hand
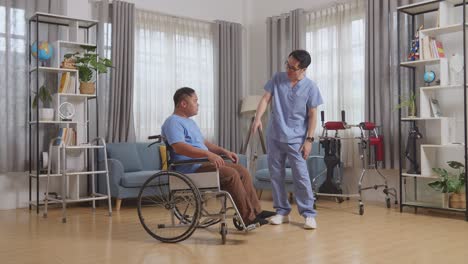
x=232 y=156
x=216 y=160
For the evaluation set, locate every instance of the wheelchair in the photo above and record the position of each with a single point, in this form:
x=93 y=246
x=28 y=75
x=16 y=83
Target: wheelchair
x=171 y=205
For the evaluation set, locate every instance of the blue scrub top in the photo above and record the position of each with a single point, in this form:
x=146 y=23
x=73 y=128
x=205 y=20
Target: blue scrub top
x=290 y=105
x=180 y=129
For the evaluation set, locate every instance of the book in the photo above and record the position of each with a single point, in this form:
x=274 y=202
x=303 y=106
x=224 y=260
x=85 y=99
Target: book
x=435 y=108
x=427 y=48
x=440 y=49
x=64 y=82
x=59 y=137
x=71 y=86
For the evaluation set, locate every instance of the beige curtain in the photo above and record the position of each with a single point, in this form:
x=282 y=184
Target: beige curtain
x=382 y=71
x=285 y=33
x=120 y=126
x=14 y=51
x=229 y=79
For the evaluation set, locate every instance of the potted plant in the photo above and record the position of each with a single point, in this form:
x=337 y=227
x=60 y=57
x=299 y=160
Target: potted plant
x=88 y=64
x=410 y=103
x=45 y=113
x=452 y=185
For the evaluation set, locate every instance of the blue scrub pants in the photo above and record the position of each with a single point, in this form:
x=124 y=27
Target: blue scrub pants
x=277 y=154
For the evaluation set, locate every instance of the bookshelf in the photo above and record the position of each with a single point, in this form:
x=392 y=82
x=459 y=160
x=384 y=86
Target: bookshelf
x=65 y=141
x=445 y=136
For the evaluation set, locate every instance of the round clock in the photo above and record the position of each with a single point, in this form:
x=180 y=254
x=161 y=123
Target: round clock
x=66 y=111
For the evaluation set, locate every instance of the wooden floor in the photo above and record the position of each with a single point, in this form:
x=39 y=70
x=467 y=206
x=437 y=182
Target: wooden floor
x=379 y=236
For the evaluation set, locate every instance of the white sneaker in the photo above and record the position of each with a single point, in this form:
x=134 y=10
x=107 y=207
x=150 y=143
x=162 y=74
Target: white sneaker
x=310 y=223
x=279 y=219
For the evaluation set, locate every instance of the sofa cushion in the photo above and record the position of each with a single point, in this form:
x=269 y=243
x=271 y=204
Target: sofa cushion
x=149 y=157
x=127 y=154
x=136 y=179
x=264 y=175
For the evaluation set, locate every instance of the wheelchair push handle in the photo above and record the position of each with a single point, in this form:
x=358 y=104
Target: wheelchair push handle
x=158 y=139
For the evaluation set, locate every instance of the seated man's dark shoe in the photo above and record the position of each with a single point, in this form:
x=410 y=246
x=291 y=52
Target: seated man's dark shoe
x=266 y=214
x=257 y=220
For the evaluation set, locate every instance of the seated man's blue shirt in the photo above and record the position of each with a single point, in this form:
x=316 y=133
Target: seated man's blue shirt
x=180 y=129
x=290 y=105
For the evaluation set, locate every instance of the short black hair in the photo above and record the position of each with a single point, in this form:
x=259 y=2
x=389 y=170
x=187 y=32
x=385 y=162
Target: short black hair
x=181 y=94
x=302 y=56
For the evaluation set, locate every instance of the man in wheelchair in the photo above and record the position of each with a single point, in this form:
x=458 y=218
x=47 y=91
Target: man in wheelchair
x=187 y=142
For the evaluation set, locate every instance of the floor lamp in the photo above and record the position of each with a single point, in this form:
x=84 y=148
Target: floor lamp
x=249 y=106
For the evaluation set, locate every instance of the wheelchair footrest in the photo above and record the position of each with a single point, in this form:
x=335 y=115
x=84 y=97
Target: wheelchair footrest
x=251 y=227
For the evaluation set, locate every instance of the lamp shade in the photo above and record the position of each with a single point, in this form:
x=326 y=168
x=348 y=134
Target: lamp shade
x=250 y=103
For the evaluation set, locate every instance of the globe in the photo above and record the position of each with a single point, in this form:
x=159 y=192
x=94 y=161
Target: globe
x=45 y=50
x=429 y=76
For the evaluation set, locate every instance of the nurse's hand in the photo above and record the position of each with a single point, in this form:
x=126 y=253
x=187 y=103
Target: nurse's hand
x=216 y=160
x=305 y=149
x=257 y=124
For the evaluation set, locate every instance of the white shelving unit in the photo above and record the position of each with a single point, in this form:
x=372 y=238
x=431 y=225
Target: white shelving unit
x=74 y=164
x=445 y=136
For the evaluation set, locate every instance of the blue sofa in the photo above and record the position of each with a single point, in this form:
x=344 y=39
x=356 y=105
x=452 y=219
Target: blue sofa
x=315 y=165
x=130 y=165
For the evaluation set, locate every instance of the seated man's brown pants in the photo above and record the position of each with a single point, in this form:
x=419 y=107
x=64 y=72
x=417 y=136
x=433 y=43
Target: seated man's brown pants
x=236 y=180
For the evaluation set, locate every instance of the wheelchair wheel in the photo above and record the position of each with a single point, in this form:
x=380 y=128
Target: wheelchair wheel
x=158 y=202
x=223 y=232
x=206 y=222
x=237 y=223
x=203 y=222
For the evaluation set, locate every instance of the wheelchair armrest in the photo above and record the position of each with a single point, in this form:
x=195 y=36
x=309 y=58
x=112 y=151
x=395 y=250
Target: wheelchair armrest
x=190 y=161
x=193 y=161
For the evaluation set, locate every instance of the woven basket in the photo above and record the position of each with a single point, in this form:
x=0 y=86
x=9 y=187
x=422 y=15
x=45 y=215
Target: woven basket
x=457 y=200
x=87 y=88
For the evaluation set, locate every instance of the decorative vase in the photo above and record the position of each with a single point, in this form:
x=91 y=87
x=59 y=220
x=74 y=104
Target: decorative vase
x=46 y=114
x=445 y=200
x=457 y=201
x=87 y=88
x=412 y=111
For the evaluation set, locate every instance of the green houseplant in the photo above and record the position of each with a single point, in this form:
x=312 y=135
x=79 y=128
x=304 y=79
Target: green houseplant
x=410 y=103
x=45 y=113
x=451 y=184
x=88 y=64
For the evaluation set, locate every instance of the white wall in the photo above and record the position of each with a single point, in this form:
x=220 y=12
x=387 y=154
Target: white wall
x=13 y=190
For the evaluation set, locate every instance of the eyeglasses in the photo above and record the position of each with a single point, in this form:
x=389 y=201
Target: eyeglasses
x=291 y=68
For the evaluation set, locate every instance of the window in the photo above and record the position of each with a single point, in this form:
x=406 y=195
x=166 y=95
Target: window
x=170 y=53
x=12 y=24
x=335 y=39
